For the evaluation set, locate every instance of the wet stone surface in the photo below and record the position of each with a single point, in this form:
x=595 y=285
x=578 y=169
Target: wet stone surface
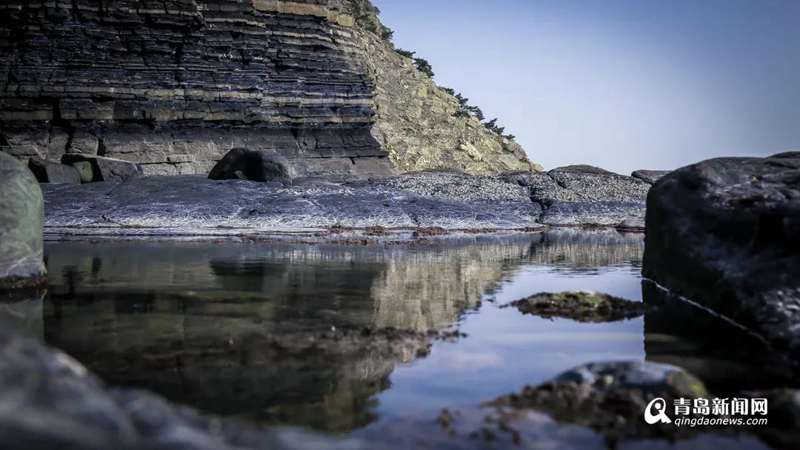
x=580 y=306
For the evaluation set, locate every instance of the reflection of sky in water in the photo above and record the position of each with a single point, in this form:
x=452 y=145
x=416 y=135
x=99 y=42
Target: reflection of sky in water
x=505 y=350
x=199 y=322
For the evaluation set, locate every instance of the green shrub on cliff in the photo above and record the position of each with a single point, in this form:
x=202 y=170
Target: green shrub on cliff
x=366 y=15
x=405 y=53
x=424 y=66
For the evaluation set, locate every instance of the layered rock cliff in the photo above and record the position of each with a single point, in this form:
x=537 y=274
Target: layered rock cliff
x=175 y=84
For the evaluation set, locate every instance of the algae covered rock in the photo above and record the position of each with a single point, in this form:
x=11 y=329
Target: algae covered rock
x=581 y=306
x=21 y=219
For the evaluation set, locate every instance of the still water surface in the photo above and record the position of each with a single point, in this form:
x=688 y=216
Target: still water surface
x=254 y=330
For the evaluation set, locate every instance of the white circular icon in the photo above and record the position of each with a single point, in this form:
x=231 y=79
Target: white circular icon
x=659 y=405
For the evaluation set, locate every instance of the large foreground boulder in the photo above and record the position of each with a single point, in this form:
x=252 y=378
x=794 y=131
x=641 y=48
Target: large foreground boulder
x=21 y=218
x=51 y=401
x=726 y=233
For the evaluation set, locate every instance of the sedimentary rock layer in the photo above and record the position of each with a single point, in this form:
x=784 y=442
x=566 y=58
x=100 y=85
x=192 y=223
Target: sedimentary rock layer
x=175 y=84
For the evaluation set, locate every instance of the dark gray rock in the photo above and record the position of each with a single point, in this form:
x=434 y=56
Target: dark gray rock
x=253 y=165
x=585 y=195
x=725 y=233
x=21 y=217
x=193 y=205
x=104 y=169
x=649 y=176
x=52 y=172
x=50 y=401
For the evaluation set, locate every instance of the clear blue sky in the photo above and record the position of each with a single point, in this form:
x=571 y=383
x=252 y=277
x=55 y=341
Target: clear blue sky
x=622 y=84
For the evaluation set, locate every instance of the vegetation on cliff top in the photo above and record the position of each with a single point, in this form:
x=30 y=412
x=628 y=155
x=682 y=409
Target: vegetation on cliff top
x=366 y=15
x=465 y=109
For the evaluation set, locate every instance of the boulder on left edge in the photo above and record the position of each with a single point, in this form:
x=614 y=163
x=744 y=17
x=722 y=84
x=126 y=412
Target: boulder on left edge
x=105 y=169
x=21 y=221
x=53 y=172
x=253 y=165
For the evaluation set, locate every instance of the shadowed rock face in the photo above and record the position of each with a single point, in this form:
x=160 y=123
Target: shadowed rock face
x=176 y=84
x=724 y=233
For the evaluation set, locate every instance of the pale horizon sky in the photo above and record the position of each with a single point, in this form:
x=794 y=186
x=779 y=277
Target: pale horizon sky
x=620 y=84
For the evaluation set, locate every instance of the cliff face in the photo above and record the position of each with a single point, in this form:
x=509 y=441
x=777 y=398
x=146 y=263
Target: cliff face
x=176 y=84
x=418 y=122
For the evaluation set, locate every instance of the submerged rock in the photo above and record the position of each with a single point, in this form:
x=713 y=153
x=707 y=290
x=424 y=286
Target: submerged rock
x=585 y=195
x=51 y=172
x=608 y=397
x=579 y=306
x=21 y=217
x=725 y=233
x=597 y=405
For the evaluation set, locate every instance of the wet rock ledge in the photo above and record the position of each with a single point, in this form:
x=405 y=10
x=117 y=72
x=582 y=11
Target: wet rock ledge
x=450 y=201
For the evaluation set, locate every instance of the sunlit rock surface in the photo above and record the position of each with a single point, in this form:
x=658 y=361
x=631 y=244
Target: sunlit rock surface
x=585 y=195
x=193 y=205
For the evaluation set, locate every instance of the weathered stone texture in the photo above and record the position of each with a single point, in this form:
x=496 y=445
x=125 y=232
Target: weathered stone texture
x=21 y=220
x=174 y=85
x=724 y=232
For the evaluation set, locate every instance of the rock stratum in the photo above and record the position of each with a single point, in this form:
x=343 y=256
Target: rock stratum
x=426 y=202
x=174 y=85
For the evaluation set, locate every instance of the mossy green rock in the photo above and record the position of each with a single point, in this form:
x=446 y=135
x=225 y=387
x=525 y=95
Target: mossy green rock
x=21 y=220
x=579 y=306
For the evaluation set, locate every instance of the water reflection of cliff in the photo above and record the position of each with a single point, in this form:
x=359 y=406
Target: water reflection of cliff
x=587 y=250
x=276 y=333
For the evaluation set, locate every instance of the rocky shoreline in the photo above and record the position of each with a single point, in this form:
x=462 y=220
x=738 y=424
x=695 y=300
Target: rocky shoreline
x=446 y=201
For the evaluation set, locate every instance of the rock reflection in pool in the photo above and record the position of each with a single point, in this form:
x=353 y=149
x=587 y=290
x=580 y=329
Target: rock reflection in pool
x=282 y=333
